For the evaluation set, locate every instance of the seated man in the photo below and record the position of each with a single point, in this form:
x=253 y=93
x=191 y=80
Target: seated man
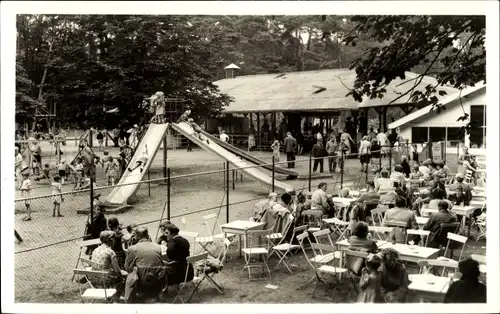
x=435 y=220
x=142 y=161
x=398 y=175
x=147 y=257
x=400 y=214
x=177 y=253
x=319 y=199
x=384 y=184
x=106 y=258
x=462 y=190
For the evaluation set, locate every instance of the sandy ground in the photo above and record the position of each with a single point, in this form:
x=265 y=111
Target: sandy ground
x=43 y=275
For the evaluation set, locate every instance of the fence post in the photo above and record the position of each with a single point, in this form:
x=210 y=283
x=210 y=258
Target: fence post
x=91 y=199
x=227 y=191
x=149 y=184
x=58 y=151
x=390 y=159
x=342 y=170
x=91 y=138
x=165 y=155
x=310 y=170
x=168 y=193
x=106 y=138
x=273 y=174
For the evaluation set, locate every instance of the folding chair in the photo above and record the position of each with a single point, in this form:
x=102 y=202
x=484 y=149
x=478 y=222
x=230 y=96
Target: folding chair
x=380 y=230
x=280 y=229
x=321 y=257
x=214 y=228
x=195 y=282
x=377 y=215
x=354 y=263
x=481 y=225
x=431 y=263
x=313 y=218
x=324 y=270
x=397 y=225
x=457 y=238
x=422 y=233
x=340 y=228
x=283 y=249
x=258 y=248
x=83 y=246
x=98 y=278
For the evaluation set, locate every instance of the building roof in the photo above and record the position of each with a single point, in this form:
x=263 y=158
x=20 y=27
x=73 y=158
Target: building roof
x=444 y=101
x=323 y=90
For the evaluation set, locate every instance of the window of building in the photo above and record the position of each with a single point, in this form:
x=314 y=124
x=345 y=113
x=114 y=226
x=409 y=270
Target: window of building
x=419 y=135
x=437 y=134
x=478 y=122
x=455 y=136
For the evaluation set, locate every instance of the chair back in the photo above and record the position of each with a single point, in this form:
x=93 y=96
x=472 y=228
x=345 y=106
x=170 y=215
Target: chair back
x=431 y=263
x=257 y=238
x=287 y=223
x=319 y=236
x=457 y=238
x=190 y=235
x=378 y=231
x=90 y=263
x=440 y=238
x=202 y=258
x=313 y=218
x=90 y=242
x=422 y=233
x=211 y=224
x=377 y=214
x=354 y=261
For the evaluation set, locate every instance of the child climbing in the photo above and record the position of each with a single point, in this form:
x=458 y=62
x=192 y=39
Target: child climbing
x=184 y=116
x=142 y=161
x=57 y=197
x=25 y=193
x=276 y=150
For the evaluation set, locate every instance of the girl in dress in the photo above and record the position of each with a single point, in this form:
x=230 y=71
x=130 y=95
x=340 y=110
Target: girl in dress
x=276 y=150
x=370 y=285
x=25 y=193
x=57 y=197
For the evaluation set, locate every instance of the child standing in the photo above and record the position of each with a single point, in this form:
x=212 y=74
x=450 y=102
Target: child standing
x=370 y=284
x=111 y=167
x=79 y=173
x=25 y=193
x=100 y=139
x=57 y=197
x=62 y=170
x=276 y=150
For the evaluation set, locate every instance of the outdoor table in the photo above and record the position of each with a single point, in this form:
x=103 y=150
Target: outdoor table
x=429 y=287
x=344 y=200
x=413 y=253
x=241 y=228
x=464 y=211
x=421 y=221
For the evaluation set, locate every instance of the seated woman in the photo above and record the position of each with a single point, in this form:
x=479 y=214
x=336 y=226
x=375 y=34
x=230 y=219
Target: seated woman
x=106 y=258
x=277 y=209
x=395 y=279
x=177 y=252
x=142 y=161
x=359 y=240
x=263 y=205
x=468 y=289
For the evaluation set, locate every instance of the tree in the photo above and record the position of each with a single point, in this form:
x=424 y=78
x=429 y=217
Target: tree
x=450 y=48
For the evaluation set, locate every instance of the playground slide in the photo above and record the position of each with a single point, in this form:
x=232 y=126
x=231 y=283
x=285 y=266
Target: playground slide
x=153 y=139
x=186 y=130
x=247 y=156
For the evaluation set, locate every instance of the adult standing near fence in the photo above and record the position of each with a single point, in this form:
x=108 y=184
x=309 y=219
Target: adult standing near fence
x=364 y=153
x=318 y=152
x=290 y=149
x=331 y=150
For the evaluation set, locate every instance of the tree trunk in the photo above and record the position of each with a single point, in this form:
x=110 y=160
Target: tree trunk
x=42 y=82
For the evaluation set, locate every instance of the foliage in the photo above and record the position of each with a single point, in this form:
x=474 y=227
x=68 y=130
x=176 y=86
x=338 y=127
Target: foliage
x=450 y=48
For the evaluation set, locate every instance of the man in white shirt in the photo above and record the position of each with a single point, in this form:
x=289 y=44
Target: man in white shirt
x=319 y=200
x=364 y=153
x=383 y=141
x=224 y=137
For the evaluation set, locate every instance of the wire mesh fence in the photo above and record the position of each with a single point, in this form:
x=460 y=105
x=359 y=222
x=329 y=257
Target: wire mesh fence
x=50 y=247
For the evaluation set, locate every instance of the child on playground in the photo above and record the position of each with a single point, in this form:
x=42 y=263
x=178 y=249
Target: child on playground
x=276 y=150
x=45 y=173
x=142 y=161
x=184 y=116
x=57 y=197
x=78 y=172
x=62 y=169
x=100 y=139
x=111 y=167
x=19 y=167
x=25 y=193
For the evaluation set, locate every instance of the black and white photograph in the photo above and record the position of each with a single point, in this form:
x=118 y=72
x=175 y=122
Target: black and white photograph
x=316 y=157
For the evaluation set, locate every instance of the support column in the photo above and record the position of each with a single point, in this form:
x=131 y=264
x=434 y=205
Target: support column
x=258 y=130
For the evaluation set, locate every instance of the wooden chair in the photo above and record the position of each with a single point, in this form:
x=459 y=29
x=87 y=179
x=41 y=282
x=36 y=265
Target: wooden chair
x=440 y=240
x=424 y=234
x=196 y=281
x=283 y=249
x=94 y=278
x=480 y=223
x=313 y=218
x=83 y=247
x=432 y=263
x=377 y=215
x=340 y=228
x=380 y=230
x=354 y=263
x=258 y=250
x=321 y=257
x=457 y=238
x=322 y=271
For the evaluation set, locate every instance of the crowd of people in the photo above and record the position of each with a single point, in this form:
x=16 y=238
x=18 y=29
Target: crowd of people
x=140 y=268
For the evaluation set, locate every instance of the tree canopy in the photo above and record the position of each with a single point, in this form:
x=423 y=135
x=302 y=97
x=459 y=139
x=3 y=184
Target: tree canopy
x=449 y=48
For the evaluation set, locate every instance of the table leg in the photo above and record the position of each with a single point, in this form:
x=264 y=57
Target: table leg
x=470 y=226
x=239 y=244
x=225 y=255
